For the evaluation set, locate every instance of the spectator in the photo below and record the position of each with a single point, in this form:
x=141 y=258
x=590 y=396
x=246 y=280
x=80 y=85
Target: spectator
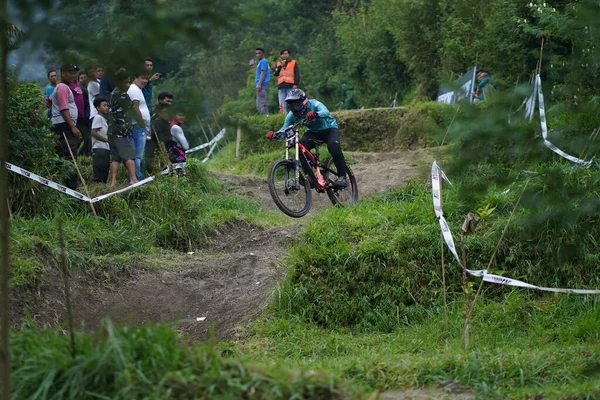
x=64 y=118
x=165 y=98
x=120 y=129
x=82 y=122
x=178 y=144
x=106 y=86
x=484 y=87
x=288 y=75
x=141 y=124
x=53 y=79
x=93 y=89
x=147 y=91
x=99 y=74
x=261 y=82
x=100 y=146
x=83 y=84
x=160 y=134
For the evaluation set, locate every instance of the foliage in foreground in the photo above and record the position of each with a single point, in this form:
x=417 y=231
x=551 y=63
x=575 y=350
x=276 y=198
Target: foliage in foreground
x=520 y=347
x=376 y=266
x=170 y=213
x=149 y=363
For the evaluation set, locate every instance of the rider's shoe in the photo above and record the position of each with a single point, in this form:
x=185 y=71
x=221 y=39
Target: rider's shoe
x=341 y=183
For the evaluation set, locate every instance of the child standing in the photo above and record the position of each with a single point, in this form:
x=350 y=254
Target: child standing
x=178 y=143
x=100 y=146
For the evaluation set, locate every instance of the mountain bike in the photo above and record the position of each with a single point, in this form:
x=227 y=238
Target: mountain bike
x=291 y=189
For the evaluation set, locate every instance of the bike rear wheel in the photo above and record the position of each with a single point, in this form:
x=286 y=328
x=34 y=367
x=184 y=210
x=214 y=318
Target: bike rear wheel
x=290 y=197
x=340 y=196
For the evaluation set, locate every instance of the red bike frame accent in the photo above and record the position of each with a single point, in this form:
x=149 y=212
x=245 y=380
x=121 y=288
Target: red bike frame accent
x=308 y=154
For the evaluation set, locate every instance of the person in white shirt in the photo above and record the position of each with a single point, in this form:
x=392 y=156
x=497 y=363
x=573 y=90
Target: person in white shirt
x=141 y=123
x=100 y=146
x=93 y=89
x=178 y=143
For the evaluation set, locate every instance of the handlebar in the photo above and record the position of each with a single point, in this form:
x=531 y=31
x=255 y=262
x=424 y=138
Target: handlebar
x=287 y=130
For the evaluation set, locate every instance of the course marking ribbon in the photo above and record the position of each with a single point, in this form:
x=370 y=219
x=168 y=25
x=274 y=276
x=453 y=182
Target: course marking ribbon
x=544 y=125
x=214 y=140
x=45 y=182
x=80 y=196
x=436 y=187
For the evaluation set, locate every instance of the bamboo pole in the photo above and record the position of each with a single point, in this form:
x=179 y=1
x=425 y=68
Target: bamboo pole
x=493 y=257
x=238 y=142
x=203 y=131
x=450 y=125
x=539 y=68
x=65 y=273
x=444 y=285
x=79 y=173
x=5 y=386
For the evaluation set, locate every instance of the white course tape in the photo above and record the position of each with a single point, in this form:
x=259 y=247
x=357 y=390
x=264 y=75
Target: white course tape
x=436 y=186
x=548 y=144
x=46 y=182
x=530 y=102
x=80 y=196
x=212 y=148
x=214 y=140
x=138 y=184
x=76 y=194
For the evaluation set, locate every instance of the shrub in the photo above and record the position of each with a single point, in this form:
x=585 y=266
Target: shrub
x=147 y=362
x=376 y=266
x=378 y=129
x=31 y=146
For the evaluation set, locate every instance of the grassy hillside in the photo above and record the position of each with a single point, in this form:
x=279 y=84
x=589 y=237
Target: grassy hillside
x=362 y=308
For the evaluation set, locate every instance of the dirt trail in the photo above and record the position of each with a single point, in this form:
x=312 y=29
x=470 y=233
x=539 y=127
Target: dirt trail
x=228 y=284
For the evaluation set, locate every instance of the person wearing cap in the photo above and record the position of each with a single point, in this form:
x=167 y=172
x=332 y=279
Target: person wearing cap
x=64 y=118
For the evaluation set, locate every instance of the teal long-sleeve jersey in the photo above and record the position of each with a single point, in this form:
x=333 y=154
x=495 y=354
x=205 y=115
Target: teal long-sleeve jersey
x=325 y=120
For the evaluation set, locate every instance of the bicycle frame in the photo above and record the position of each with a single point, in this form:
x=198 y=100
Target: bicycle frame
x=293 y=141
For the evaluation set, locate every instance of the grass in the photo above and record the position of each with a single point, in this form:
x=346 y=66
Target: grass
x=149 y=363
x=168 y=214
x=361 y=308
x=521 y=346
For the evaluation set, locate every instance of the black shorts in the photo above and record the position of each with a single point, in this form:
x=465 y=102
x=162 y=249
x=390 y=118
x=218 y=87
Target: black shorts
x=121 y=148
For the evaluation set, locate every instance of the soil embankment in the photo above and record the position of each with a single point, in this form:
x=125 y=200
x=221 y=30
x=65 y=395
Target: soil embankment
x=227 y=284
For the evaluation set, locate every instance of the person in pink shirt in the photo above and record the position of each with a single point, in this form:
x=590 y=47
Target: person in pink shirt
x=82 y=122
x=64 y=118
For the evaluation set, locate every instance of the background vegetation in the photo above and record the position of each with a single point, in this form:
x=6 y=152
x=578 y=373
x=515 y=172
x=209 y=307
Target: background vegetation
x=363 y=300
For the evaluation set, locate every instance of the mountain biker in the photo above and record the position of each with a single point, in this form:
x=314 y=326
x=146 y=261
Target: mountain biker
x=323 y=129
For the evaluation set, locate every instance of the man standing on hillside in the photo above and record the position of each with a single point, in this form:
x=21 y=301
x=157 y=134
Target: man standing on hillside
x=141 y=124
x=120 y=129
x=261 y=82
x=64 y=118
x=147 y=90
x=288 y=75
x=53 y=79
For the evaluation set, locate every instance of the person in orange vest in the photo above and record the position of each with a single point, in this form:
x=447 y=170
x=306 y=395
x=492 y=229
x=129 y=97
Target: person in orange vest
x=288 y=77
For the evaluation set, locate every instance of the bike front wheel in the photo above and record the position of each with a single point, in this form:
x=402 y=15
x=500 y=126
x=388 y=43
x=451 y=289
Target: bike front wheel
x=340 y=196
x=291 y=196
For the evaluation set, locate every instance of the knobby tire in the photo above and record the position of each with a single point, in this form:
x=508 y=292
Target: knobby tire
x=293 y=200
x=340 y=197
